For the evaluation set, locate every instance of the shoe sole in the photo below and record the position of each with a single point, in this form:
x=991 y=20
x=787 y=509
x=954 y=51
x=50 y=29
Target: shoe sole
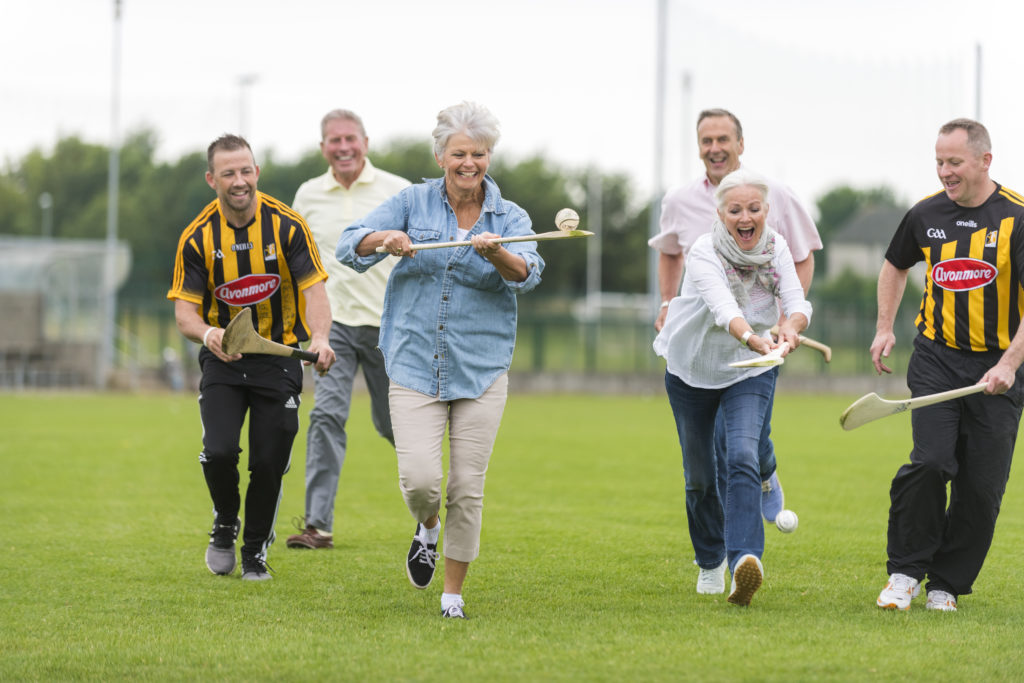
x=308 y=546
x=413 y=582
x=748 y=579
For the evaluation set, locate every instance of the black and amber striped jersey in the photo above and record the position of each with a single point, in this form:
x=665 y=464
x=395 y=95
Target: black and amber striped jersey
x=264 y=265
x=973 y=298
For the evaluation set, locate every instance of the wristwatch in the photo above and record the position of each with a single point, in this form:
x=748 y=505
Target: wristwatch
x=746 y=337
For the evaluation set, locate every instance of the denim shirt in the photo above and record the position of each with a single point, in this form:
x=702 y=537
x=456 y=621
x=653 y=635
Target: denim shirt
x=449 y=322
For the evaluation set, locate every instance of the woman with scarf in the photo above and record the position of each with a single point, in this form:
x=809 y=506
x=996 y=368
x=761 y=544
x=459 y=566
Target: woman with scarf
x=734 y=277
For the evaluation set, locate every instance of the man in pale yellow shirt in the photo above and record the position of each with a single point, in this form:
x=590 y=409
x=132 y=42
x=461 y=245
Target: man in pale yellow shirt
x=350 y=189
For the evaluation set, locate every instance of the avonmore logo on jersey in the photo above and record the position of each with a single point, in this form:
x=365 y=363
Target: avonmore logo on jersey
x=962 y=274
x=248 y=290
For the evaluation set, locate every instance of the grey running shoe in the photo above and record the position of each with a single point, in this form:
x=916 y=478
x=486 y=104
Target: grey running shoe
x=220 y=553
x=255 y=569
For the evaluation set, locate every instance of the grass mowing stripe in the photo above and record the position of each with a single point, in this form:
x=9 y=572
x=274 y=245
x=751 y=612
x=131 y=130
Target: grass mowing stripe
x=585 y=569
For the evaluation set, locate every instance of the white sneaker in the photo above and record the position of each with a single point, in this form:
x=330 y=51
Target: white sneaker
x=712 y=581
x=898 y=593
x=746 y=579
x=941 y=601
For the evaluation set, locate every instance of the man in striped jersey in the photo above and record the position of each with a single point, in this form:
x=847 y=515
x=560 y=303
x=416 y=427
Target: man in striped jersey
x=247 y=249
x=971 y=237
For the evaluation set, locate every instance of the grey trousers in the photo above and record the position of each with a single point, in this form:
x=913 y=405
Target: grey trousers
x=326 y=440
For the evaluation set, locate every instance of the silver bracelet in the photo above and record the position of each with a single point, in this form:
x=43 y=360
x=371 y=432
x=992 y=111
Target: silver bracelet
x=746 y=337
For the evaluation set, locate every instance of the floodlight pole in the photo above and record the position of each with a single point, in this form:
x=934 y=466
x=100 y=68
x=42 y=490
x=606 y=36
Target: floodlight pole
x=977 y=82
x=244 y=81
x=661 y=29
x=595 y=200
x=106 y=365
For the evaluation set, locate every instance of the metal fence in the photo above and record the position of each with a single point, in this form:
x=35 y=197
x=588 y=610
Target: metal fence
x=562 y=344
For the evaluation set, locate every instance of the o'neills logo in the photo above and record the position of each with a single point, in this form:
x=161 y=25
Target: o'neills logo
x=248 y=290
x=962 y=274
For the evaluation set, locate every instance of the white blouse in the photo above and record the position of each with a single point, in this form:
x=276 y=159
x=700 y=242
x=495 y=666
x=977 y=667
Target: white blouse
x=695 y=341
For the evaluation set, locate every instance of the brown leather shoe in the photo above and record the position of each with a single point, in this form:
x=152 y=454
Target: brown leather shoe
x=310 y=538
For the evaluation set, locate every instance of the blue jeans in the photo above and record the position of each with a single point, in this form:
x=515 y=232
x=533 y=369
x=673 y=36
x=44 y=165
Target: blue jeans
x=766 y=449
x=724 y=521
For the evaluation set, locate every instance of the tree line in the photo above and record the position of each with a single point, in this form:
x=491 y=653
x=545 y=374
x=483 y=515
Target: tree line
x=159 y=198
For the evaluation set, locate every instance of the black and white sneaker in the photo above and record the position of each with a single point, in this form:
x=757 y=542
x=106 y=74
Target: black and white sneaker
x=419 y=565
x=255 y=568
x=454 y=612
x=220 y=553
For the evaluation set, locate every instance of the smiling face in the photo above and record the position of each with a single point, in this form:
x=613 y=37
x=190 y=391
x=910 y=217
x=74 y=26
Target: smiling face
x=344 y=147
x=962 y=170
x=744 y=211
x=234 y=178
x=720 y=147
x=464 y=162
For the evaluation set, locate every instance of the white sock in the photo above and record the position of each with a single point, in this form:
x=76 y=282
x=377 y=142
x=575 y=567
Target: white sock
x=430 y=536
x=449 y=599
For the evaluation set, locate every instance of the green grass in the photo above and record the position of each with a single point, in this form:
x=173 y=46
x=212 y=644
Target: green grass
x=585 y=571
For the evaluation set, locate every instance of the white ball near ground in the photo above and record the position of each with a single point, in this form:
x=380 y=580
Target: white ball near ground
x=567 y=220
x=786 y=521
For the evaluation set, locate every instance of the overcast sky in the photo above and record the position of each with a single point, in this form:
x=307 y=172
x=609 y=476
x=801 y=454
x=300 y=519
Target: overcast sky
x=829 y=91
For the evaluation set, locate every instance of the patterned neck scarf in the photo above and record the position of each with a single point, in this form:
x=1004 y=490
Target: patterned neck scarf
x=744 y=269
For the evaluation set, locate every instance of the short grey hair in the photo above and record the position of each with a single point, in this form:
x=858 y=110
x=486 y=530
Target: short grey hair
x=977 y=135
x=741 y=177
x=345 y=114
x=473 y=119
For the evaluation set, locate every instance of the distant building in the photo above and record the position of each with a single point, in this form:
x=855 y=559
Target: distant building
x=860 y=245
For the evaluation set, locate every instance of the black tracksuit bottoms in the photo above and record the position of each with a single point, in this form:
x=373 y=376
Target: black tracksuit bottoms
x=966 y=443
x=268 y=388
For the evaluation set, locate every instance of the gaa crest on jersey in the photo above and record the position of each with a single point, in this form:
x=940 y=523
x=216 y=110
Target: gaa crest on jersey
x=270 y=252
x=963 y=274
x=249 y=289
x=991 y=238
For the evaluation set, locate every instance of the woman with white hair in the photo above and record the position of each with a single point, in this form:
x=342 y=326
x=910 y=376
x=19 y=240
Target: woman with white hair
x=727 y=305
x=447 y=334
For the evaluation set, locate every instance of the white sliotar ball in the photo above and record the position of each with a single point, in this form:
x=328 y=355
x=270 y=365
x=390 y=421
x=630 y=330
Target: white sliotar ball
x=567 y=220
x=786 y=521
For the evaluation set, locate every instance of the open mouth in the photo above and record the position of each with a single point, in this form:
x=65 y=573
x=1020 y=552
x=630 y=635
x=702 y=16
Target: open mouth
x=745 y=233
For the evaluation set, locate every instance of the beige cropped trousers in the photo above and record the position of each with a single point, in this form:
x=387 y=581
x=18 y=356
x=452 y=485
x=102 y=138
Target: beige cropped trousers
x=419 y=423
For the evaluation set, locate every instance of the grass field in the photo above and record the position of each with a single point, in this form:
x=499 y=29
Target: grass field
x=585 y=571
